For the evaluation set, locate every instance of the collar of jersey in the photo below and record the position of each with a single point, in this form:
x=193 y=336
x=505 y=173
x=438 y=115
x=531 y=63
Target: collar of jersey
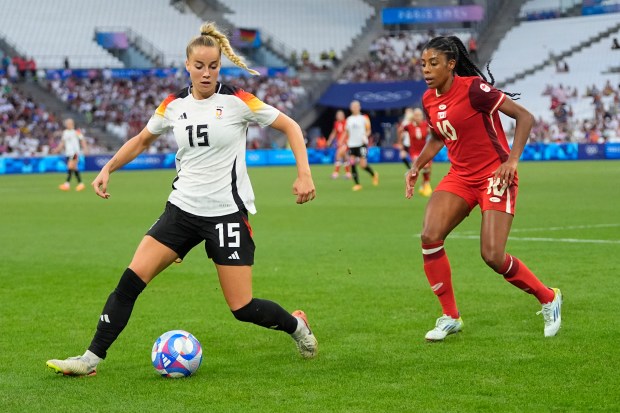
x=217 y=91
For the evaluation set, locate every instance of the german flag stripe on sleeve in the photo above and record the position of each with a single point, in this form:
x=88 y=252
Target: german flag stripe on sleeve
x=162 y=108
x=249 y=99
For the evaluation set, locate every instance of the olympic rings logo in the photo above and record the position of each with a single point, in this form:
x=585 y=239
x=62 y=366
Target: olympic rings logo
x=382 y=96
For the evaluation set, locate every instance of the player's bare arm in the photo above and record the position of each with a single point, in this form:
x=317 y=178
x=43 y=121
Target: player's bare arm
x=524 y=122
x=303 y=186
x=128 y=152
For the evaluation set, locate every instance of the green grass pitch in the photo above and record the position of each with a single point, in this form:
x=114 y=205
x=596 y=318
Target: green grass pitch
x=352 y=261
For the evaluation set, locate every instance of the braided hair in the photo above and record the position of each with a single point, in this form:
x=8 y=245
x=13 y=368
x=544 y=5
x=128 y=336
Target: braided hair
x=210 y=36
x=454 y=48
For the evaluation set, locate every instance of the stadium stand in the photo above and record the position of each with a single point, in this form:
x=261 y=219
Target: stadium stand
x=315 y=26
x=66 y=28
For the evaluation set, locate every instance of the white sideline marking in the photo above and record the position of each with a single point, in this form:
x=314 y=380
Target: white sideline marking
x=552 y=228
x=570 y=240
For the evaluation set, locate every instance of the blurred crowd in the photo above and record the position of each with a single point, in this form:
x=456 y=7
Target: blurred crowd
x=26 y=127
x=601 y=125
x=124 y=106
x=394 y=57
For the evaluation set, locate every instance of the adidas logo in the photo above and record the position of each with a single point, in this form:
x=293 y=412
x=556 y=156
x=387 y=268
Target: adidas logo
x=183 y=116
x=105 y=318
x=234 y=256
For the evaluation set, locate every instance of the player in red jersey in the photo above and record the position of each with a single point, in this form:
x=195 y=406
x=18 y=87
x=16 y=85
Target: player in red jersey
x=339 y=133
x=418 y=132
x=462 y=111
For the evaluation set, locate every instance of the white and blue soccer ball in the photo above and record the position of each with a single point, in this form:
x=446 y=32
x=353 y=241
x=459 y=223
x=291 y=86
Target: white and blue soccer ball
x=176 y=353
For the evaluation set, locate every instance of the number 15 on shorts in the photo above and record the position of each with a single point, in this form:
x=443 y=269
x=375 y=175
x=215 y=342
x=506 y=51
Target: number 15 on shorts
x=229 y=237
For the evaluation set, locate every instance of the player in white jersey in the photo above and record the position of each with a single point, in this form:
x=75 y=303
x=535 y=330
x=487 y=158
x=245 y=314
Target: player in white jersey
x=403 y=140
x=358 y=130
x=73 y=142
x=210 y=199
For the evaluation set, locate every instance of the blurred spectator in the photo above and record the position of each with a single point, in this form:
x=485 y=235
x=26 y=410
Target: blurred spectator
x=124 y=106
x=614 y=44
x=472 y=45
x=27 y=128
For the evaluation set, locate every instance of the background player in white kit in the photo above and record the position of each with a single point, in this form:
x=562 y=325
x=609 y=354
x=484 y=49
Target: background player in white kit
x=72 y=141
x=358 y=131
x=209 y=202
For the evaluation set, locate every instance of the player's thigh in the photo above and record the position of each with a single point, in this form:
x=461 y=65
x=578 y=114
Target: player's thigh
x=72 y=163
x=236 y=283
x=151 y=258
x=444 y=211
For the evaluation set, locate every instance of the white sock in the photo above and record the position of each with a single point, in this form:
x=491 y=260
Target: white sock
x=301 y=330
x=91 y=358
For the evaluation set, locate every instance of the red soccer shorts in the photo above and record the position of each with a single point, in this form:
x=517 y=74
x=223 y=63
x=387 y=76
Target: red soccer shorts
x=488 y=193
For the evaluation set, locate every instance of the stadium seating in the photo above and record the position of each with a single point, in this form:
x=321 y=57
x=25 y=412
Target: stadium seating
x=545 y=8
x=531 y=43
x=51 y=30
x=304 y=24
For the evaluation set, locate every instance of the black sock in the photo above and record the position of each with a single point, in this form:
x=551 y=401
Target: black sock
x=69 y=173
x=355 y=175
x=267 y=314
x=77 y=175
x=369 y=170
x=116 y=312
x=406 y=162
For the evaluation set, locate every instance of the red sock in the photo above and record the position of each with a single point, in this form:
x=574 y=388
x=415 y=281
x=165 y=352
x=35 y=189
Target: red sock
x=427 y=177
x=437 y=269
x=347 y=168
x=517 y=274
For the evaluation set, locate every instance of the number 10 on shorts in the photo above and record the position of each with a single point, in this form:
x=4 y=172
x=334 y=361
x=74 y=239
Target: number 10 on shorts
x=232 y=234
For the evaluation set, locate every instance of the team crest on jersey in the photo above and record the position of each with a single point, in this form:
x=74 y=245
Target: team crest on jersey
x=441 y=115
x=442 y=106
x=219 y=112
x=485 y=87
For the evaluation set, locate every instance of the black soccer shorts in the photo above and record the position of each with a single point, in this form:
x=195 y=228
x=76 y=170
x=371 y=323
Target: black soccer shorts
x=228 y=238
x=360 y=151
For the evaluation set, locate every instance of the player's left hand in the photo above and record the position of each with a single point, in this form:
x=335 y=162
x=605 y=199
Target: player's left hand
x=506 y=172
x=411 y=178
x=303 y=187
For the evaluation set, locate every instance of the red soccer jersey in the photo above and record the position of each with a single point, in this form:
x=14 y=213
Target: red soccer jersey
x=417 y=137
x=340 y=128
x=467 y=120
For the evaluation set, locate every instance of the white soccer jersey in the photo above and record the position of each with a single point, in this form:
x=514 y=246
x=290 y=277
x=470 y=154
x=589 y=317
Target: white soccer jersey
x=212 y=178
x=405 y=133
x=356 y=129
x=72 y=139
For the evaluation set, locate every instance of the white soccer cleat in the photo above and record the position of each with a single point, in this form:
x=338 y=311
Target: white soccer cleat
x=552 y=314
x=445 y=325
x=306 y=341
x=73 y=366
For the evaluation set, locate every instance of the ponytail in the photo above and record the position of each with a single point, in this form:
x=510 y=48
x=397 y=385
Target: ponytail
x=210 y=36
x=454 y=48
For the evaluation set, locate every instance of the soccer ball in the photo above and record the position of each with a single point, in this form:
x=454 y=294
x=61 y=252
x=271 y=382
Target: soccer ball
x=176 y=353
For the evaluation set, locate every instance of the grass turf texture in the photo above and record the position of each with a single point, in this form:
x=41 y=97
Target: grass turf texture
x=352 y=261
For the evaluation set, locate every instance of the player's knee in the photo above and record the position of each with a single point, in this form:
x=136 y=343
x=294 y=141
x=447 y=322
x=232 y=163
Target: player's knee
x=492 y=258
x=430 y=237
x=247 y=313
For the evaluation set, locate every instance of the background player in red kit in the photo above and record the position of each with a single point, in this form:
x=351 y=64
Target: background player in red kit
x=418 y=132
x=461 y=108
x=339 y=133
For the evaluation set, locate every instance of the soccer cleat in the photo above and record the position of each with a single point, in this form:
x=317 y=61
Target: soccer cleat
x=426 y=190
x=306 y=342
x=347 y=175
x=552 y=314
x=335 y=175
x=357 y=187
x=64 y=187
x=80 y=187
x=445 y=325
x=73 y=366
x=375 y=179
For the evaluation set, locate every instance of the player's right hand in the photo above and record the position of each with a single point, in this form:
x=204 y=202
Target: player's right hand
x=410 y=179
x=100 y=184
